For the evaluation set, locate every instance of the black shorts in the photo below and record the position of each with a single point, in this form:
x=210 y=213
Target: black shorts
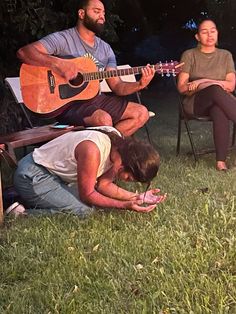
x=76 y=112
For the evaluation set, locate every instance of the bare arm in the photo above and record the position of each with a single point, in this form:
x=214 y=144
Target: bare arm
x=183 y=84
x=188 y=88
x=107 y=187
x=88 y=160
x=228 y=84
x=122 y=88
x=36 y=54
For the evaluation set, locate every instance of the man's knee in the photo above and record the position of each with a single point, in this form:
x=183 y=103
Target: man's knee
x=138 y=112
x=99 y=117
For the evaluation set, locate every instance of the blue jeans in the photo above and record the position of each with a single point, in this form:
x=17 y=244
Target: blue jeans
x=45 y=192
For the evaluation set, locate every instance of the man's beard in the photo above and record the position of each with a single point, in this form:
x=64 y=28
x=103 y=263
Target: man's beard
x=92 y=25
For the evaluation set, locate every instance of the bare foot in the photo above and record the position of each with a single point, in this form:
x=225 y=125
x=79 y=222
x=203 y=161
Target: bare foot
x=221 y=166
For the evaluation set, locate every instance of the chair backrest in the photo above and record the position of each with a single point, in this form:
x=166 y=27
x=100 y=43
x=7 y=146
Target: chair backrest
x=126 y=78
x=13 y=83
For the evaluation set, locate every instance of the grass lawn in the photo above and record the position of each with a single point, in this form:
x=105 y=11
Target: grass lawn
x=180 y=258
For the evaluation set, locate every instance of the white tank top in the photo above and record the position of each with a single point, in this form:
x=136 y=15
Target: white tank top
x=58 y=155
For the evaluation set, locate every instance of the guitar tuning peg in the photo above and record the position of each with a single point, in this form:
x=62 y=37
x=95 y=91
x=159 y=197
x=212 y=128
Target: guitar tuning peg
x=173 y=72
x=160 y=68
x=167 y=72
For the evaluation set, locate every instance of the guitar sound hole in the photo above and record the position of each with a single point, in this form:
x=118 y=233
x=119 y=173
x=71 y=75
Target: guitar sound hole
x=77 y=81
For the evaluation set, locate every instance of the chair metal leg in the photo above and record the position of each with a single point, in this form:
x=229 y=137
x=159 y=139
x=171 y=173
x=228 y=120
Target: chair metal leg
x=191 y=140
x=189 y=136
x=148 y=134
x=138 y=98
x=179 y=136
x=233 y=135
x=26 y=115
x=146 y=127
x=2 y=147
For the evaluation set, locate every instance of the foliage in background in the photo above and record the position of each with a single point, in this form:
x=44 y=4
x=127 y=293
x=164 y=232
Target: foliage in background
x=25 y=21
x=224 y=11
x=158 y=28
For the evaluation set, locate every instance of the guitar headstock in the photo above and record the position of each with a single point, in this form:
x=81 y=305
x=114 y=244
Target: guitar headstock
x=171 y=68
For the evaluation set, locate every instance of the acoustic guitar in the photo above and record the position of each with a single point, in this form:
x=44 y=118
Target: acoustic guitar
x=46 y=92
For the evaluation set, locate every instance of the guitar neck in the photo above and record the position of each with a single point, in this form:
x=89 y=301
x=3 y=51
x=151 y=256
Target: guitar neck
x=91 y=76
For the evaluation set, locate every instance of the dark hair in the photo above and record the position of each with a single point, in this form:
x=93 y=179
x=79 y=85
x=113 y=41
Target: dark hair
x=202 y=21
x=138 y=157
x=82 y=4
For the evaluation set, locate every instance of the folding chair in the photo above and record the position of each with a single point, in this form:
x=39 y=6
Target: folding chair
x=186 y=118
x=127 y=78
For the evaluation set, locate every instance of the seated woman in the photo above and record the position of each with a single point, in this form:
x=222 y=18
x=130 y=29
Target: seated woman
x=76 y=171
x=207 y=80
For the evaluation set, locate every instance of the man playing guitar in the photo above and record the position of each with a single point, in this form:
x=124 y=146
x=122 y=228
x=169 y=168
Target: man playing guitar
x=53 y=52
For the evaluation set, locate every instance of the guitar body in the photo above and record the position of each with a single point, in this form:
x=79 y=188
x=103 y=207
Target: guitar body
x=46 y=92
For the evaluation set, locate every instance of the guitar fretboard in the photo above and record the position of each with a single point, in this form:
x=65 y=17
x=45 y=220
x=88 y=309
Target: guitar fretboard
x=161 y=68
x=111 y=73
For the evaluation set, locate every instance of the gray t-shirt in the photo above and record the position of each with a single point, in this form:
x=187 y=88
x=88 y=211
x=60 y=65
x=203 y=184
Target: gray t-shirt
x=197 y=64
x=68 y=44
